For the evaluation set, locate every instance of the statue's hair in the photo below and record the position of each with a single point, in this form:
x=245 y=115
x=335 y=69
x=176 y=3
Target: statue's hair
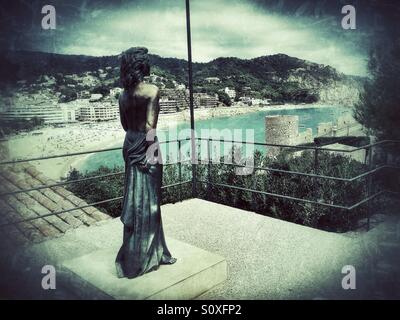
x=134 y=66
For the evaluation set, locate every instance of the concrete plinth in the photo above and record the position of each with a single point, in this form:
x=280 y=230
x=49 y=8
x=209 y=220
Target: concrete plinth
x=195 y=272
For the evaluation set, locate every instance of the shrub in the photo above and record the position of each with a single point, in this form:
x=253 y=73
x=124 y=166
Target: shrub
x=272 y=182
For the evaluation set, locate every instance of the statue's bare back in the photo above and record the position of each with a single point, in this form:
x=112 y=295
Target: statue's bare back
x=139 y=108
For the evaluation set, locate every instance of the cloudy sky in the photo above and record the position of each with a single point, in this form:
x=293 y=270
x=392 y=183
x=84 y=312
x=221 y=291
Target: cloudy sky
x=308 y=30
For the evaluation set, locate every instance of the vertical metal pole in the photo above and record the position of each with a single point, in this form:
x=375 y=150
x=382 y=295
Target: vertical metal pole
x=209 y=168
x=316 y=165
x=366 y=156
x=253 y=194
x=192 y=136
x=369 y=191
x=180 y=169
x=233 y=153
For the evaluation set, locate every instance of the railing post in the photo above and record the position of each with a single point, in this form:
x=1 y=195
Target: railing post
x=233 y=153
x=253 y=194
x=316 y=164
x=180 y=169
x=191 y=104
x=316 y=170
x=209 y=168
x=369 y=186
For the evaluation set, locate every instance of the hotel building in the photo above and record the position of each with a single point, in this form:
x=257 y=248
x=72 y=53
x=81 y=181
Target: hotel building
x=98 y=112
x=49 y=113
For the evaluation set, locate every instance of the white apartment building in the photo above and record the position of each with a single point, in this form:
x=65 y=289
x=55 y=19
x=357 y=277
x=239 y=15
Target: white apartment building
x=212 y=80
x=69 y=114
x=230 y=92
x=205 y=100
x=245 y=100
x=49 y=113
x=181 y=97
x=98 y=112
x=168 y=105
x=262 y=102
x=180 y=87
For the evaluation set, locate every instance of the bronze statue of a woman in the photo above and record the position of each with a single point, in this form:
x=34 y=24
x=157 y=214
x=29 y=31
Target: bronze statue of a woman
x=143 y=248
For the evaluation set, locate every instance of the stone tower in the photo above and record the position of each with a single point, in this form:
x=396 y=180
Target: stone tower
x=280 y=129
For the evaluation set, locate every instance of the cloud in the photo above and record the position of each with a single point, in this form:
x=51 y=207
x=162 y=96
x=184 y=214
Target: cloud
x=219 y=28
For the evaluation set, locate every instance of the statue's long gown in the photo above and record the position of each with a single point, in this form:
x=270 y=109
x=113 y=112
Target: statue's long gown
x=144 y=247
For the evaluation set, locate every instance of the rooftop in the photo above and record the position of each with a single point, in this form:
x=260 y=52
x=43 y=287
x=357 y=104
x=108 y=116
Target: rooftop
x=40 y=202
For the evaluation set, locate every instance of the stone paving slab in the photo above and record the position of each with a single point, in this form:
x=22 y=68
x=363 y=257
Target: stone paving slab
x=267 y=258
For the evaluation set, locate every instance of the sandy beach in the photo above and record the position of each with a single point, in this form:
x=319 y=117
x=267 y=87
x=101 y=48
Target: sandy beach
x=72 y=138
x=80 y=137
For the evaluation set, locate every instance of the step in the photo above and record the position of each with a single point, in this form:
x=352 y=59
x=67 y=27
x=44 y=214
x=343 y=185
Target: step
x=93 y=276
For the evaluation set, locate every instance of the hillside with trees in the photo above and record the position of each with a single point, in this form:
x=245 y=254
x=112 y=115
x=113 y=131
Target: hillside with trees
x=278 y=77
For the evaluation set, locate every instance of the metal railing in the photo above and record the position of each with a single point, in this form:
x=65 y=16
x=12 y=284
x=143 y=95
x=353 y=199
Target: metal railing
x=315 y=175
x=67 y=182
x=368 y=174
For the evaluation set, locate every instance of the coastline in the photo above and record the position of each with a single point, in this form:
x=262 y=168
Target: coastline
x=209 y=113
x=77 y=161
x=73 y=138
x=77 y=137
x=167 y=120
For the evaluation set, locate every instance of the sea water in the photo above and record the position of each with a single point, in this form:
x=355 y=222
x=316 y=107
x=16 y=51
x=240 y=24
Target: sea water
x=308 y=118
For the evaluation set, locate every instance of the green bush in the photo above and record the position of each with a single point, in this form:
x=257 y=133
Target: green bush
x=99 y=189
x=273 y=182
x=224 y=98
x=112 y=187
x=296 y=186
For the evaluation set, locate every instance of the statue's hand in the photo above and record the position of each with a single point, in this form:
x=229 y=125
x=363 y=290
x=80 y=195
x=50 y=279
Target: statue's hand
x=149 y=165
x=145 y=166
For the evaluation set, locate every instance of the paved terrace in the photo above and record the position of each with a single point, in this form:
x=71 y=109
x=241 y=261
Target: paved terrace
x=267 y=258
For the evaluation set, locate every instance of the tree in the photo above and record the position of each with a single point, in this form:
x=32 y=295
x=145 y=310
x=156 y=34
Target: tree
x=224 y=98
x=169 y=84
x=67 y=94
x=379 y=107
x=102 y=89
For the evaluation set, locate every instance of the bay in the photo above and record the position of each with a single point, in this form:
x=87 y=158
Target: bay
x=308 y=118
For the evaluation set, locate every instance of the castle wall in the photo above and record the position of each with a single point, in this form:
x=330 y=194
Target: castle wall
x=325 y=129
x=284 y=129
x=305 y=136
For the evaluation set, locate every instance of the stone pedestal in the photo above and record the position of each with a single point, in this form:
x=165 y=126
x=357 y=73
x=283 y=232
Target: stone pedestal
x=196 y=271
